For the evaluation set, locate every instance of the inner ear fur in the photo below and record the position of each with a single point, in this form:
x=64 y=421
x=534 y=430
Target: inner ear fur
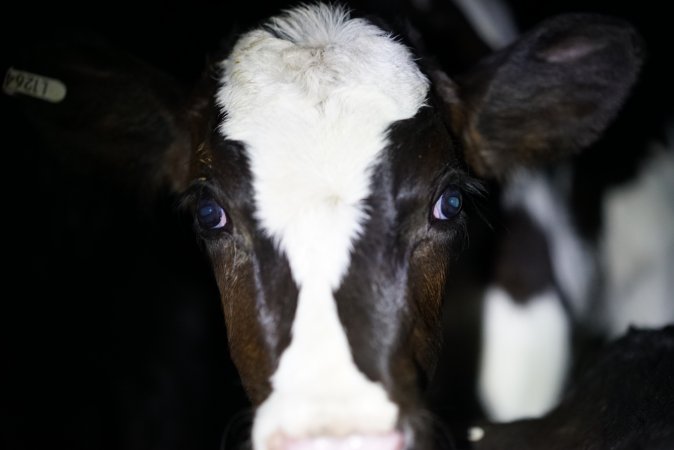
x=548 y=95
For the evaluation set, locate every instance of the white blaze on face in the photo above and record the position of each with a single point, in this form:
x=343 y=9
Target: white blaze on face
x=312 y=109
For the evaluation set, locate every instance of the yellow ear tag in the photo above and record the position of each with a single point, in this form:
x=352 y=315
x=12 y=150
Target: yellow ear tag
x=38 y=86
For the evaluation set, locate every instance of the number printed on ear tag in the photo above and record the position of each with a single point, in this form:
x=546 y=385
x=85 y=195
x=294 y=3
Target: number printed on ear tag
x=38 y=86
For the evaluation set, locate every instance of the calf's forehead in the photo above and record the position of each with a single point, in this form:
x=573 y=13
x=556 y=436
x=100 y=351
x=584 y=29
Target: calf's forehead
x=311 y=96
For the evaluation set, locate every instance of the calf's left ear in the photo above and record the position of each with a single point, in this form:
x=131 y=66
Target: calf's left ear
x=548 y=95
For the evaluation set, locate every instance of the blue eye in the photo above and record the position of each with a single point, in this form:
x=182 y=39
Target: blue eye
x=210 y=215
x=448 y=205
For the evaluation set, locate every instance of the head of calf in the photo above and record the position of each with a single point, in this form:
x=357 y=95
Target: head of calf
x=331 y=172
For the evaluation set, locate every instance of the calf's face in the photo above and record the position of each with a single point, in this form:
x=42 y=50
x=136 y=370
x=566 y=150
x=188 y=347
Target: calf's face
x=331 y=180
x=331 y=242
x=332 y=239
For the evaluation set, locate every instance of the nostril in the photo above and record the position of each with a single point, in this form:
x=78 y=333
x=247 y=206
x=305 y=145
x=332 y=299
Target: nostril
x=384 y=441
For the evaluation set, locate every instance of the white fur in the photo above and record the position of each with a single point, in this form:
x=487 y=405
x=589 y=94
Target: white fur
x=525 y=355
x=637 y=248
x=313 y=112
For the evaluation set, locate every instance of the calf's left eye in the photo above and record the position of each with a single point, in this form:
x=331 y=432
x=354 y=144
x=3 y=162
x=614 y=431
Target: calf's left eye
x=448 y=205
x=210 y=215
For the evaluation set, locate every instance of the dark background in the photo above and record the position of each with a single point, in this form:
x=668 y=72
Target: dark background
x=111 y=335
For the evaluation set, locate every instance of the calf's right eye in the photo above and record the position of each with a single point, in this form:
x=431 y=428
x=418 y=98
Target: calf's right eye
x=210 y=215
x=448 y=205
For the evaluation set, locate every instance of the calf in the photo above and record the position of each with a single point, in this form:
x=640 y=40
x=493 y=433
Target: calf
x=331 y=175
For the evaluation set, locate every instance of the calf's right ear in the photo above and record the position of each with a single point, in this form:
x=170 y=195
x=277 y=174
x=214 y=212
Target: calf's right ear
x=548 y=95
x=102 y=110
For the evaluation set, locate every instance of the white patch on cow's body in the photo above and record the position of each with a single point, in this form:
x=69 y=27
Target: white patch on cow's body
x=313 y=109
x=510 y=346
x=525 y=354
x=475 y=434
x=637 y=248
x=572 y=258
x=492 y=19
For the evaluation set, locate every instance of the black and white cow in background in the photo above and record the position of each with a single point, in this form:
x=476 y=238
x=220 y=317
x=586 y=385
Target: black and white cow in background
x=585 y=247
x=330 y=174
